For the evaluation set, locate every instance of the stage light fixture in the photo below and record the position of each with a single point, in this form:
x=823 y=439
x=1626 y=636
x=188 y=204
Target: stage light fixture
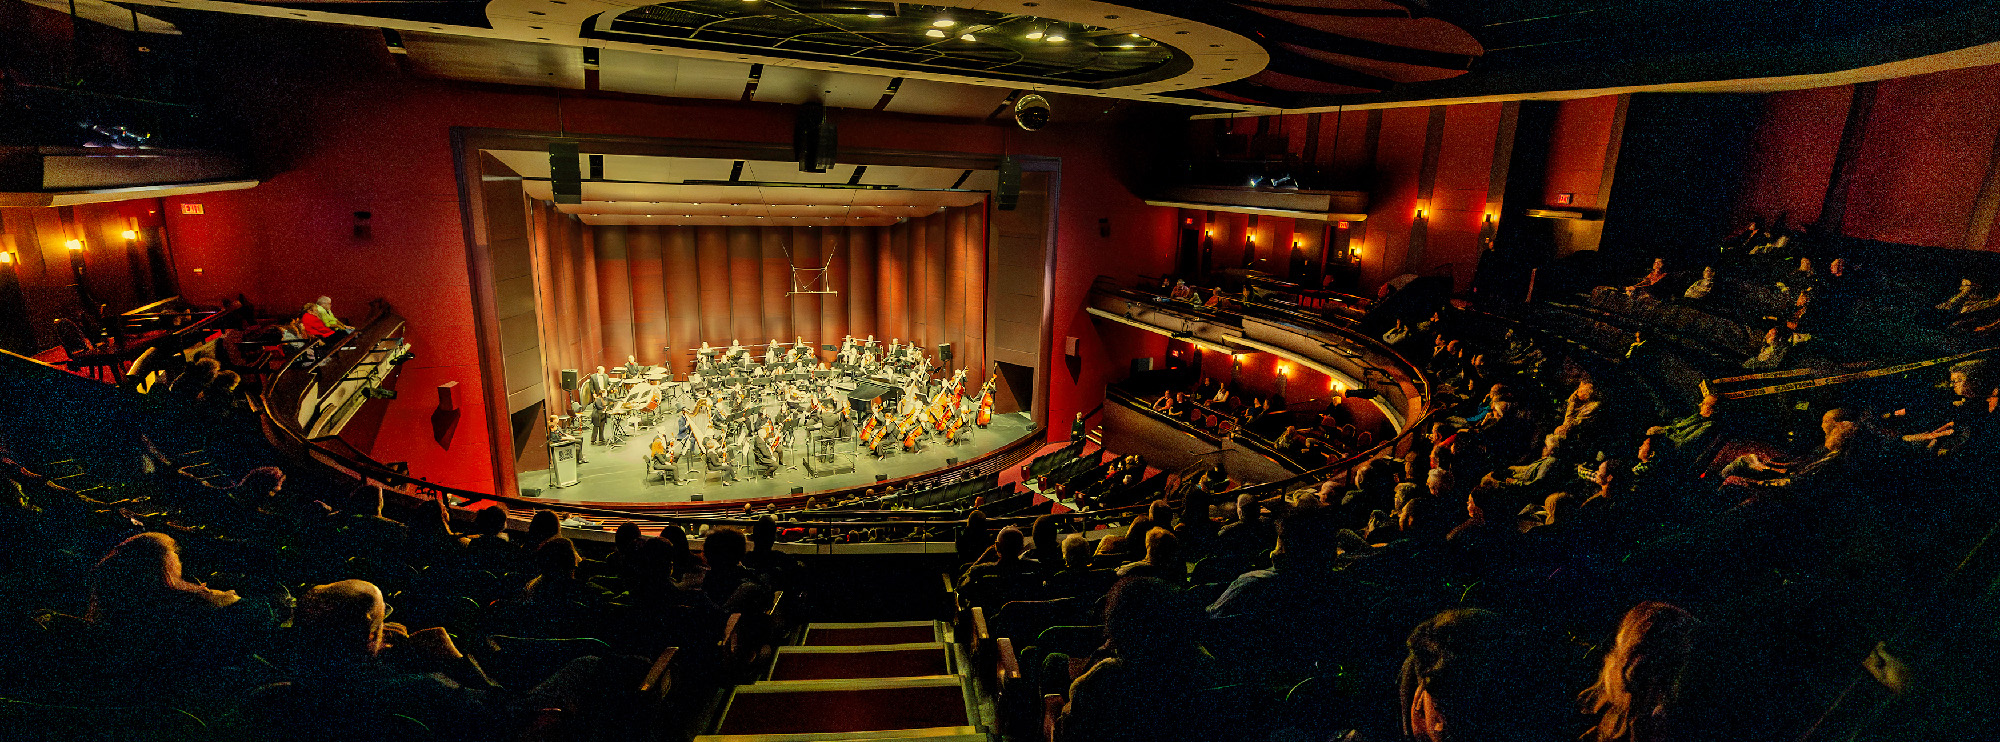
x=944 y=23
x=129 y=234
x=1057 y=37
x=1036 y=34
x=74 y=244
x=934 y=33
x=966 y=37
x=878 y=15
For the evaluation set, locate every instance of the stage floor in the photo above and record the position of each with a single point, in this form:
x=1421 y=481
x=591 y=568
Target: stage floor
x=618 y=474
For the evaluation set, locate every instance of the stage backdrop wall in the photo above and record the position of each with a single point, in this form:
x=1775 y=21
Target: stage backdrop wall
x=656 y=293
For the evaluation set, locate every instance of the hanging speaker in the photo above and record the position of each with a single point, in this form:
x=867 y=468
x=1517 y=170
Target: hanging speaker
x=944 y=351
x=814 y=139
x=569 y=378
x=1008 y=194
x=565 y=171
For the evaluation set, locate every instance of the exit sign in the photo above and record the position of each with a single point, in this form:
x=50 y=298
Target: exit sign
x=190 y=208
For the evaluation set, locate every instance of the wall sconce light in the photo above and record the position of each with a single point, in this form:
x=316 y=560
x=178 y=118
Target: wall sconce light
x=6 y=258
x=1420 y=212
x=1489 y=218
x=74 y=244
x=131 y=232
x=6 y=249
x=129 y=235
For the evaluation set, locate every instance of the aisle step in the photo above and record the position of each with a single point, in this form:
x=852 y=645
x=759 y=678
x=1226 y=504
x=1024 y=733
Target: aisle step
x=865 y=661
x=927 y=706
x=871 y=634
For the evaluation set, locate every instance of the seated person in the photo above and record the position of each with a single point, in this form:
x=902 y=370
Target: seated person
x=318 y=320
x=1000 y=574
x=1542 y=470
x=1162 y=560
x=1076 y=577
x=1702 y=288
x=1692 y=433
x=1149 y=688
x=1777 y=343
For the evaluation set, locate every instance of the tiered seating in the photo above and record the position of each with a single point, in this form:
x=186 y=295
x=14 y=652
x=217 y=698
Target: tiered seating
x=856 y=681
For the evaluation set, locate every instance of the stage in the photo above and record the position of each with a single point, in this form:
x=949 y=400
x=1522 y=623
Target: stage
x=618 y=473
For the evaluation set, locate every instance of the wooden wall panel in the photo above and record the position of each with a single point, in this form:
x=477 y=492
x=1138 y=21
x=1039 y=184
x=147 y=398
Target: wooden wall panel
x=952 y=268
x=683 y=297
x=746 y=285
x=974 y=261
x=614 y=294
x=832 y=307
x=804 y=242
x=892 y=248
x=712 y=269
x=777 y=272
x=862 y=243
x=651 y=323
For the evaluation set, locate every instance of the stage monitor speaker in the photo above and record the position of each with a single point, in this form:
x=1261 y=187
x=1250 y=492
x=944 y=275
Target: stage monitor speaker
x=696 y=497
x=565 y=171
x=569 y=379
x=1008 y=194
x=944 y=351
x=798 y=490
x=815 y=140
x=951 y=462
x=1142 y=365
x=881 y=477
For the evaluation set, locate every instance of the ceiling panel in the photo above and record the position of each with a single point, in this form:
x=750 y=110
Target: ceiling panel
x=946 y=99
x=637 y=72
x=837 y=89
x=742 y=209
x=489 y=60
x=911 y=177
x=524 y=163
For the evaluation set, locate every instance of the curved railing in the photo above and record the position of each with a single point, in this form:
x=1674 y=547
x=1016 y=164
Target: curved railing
x=1341 y=326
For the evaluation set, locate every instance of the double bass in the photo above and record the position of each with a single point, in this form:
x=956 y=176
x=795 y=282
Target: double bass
x=985 y=404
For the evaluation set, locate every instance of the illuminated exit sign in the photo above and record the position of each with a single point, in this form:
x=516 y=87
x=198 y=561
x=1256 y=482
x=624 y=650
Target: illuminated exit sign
x=190 y=208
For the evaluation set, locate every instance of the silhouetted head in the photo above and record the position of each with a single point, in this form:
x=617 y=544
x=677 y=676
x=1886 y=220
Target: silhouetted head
x=723 y=547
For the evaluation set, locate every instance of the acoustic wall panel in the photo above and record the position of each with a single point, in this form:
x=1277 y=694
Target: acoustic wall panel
x=712 y=269
x=614 y=293
x=645 y=287
x=746 y=285
x=651 y=317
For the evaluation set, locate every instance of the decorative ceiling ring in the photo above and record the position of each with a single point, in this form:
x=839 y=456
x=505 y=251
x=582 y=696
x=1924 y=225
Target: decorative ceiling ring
x=1113 y=49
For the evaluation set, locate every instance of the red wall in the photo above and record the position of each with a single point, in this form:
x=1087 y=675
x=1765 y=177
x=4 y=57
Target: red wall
x=1926 y=148
x=1795 y=148
x=355 y=136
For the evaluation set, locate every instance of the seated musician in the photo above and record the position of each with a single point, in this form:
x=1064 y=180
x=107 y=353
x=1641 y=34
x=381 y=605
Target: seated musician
x=718 y=459
x=632 y=369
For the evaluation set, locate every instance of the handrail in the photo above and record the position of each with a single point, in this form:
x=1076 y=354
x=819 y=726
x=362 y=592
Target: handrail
x=1340 y=467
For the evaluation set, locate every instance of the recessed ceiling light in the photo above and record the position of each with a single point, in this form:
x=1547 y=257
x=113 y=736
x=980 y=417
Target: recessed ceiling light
x=934 y=33
x=1057 y=38
x=1035 y=34
x=966 y=37
x=944 y=23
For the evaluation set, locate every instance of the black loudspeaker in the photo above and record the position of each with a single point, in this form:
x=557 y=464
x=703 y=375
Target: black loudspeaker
x=1008 y=195
x=569 y=378
x=881 y=477
x=798 y=490
x=696 y=497
x=815 y=141
x=951 y=462
x=565 y=171
x=944 y=351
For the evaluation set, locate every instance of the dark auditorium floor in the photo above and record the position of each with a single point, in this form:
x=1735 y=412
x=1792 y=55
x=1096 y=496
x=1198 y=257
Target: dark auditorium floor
x=618 y=474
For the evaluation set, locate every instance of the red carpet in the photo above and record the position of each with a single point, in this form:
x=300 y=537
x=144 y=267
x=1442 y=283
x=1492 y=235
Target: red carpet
x=823 y=711
x=896 y=664
x=872 y=635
